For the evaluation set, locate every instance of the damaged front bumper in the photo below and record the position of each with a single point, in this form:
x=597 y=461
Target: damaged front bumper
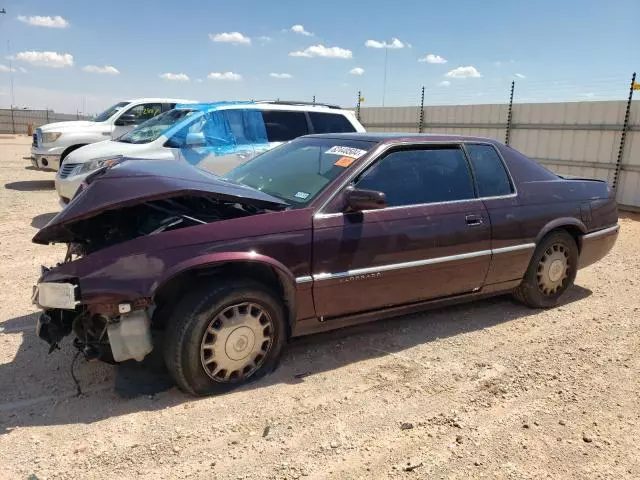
x=123 y=334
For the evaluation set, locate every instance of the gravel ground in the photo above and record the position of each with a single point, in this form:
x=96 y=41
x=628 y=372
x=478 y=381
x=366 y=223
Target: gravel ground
x=487 y=390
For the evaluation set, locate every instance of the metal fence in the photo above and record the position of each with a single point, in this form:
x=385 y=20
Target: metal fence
x=17 y=121
x=596 y=139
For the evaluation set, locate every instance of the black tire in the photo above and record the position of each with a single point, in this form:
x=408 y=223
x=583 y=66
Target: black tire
x=193 y=316
x=532 y=291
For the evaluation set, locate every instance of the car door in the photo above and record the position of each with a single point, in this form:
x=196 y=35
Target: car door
x=223 y=139
x=134 y=116
x=432 y=240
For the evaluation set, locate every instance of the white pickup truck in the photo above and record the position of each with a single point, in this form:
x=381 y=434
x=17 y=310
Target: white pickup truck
x=54 y=141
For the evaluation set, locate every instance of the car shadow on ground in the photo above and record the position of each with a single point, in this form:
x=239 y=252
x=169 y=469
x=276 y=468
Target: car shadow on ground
x=39 y=389
x=30 y=185
x=41 y=220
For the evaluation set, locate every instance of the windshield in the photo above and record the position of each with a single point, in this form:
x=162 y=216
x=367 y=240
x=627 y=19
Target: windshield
x=299 y=170
x=109 y=112
x=150 y=130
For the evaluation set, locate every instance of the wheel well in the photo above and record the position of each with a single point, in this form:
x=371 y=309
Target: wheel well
x=574 y=231
x=168 y=294
x=70 y=149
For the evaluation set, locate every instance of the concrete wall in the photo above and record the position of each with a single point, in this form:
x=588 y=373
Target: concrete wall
x=575 y=138
x=16 y=121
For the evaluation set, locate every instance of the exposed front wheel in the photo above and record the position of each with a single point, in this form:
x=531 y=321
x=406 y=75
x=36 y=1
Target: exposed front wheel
x=551 y=272
x=223 y=336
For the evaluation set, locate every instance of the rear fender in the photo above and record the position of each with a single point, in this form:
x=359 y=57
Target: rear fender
x=571 y=224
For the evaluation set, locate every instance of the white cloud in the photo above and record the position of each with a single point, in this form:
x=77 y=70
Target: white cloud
x=589 y=95
x=444 y=83
x=235 y=38
x=322 y=51
x=175 y=77
x=300 y=30
x=234 y=77
x=280 y=75
x=51 y=22
x=464 y=72
x=357 y=71
x=431 y=58
x=519 y=75
x=46 y=59
x=5 y=69
x=395 y=44
x=108 y=69
x=264 y=38
x=199 y=80
x=22 y=69
x=497 y=64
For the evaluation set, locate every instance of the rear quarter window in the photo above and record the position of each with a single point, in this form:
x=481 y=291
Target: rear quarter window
x=330 y=123
x=491 y=175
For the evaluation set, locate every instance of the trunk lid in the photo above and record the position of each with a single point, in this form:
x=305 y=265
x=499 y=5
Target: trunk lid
x=134 y=182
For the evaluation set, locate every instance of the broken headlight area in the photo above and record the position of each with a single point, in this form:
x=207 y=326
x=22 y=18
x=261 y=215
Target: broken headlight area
x=98 y=337
x=149 y=218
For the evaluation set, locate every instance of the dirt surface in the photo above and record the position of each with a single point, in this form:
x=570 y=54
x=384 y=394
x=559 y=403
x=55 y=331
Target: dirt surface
x=486 y=390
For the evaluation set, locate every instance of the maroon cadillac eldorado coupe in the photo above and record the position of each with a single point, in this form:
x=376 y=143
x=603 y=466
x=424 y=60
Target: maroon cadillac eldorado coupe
x=322 y=232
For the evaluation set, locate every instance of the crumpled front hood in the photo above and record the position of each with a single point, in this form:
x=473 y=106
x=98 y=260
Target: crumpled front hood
x=137 y=181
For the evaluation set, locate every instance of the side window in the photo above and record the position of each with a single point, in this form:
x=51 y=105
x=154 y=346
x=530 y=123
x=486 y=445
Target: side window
x=413 y=177
x=489 y=170
x=330 y=123
x=145 y=111
x=283 y=126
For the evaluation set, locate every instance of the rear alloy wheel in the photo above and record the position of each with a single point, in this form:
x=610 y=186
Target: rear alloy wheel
x=222 y=336
x=551 y=272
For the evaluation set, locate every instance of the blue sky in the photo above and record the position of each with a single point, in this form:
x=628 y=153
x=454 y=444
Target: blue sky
x=555 y=50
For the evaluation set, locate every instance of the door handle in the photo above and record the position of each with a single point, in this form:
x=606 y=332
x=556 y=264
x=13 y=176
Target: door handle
x=473 y=220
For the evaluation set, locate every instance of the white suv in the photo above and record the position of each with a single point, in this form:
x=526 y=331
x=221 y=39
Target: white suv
x=213 y=136
x=54 y=141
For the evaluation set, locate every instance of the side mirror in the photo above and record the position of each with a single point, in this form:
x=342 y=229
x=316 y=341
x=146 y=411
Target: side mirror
x=194 y=139
x=126 y=119
x=358 y=200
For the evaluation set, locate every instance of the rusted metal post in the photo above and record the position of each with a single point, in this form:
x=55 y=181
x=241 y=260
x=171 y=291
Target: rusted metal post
x=623 y=136
x=421 y=121
x=358 y=105
x=507 y=137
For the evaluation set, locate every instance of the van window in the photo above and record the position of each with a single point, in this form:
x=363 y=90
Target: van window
x=330 y=123
x=283 y=126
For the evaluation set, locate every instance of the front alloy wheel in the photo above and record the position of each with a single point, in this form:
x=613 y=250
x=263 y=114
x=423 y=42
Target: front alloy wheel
x=236 y=342
x=224 y=334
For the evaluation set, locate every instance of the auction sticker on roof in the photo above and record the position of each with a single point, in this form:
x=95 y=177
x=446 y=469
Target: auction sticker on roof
x=346 y=151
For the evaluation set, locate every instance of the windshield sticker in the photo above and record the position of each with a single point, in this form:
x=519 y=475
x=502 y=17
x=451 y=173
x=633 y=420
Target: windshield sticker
x=346 y=151
x=302 y=195
x=344 y=161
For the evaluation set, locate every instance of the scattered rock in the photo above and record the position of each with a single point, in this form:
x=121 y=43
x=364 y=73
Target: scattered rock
x=176 y=449
x=411 y=466
x=460 y=439
x=265 y=432
x=562 y=422
x=526 y=425
x=586 y=438
x=334 y=444
x=406 y=426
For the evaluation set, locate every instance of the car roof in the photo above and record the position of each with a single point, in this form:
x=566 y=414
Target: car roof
x=161 y=100
x=385 y=137
x=292 y=106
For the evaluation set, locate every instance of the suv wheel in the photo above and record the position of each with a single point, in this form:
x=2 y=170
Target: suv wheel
x=223 y=336
x=551 y=272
